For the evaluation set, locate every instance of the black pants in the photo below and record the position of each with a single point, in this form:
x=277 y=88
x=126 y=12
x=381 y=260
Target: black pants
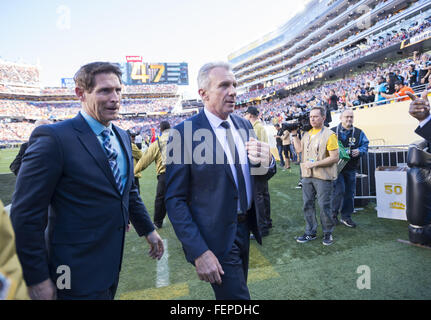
x=159 y=203
x=137 y=184
x=264 y=204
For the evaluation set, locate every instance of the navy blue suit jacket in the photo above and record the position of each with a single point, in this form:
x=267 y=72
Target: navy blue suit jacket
x=66 y=170
x=201 y=199
x=425 y=131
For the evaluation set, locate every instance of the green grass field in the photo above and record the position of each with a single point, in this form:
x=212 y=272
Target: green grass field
x=281 y=268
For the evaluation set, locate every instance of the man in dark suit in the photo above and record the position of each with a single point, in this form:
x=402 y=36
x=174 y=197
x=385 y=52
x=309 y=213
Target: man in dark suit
x=211 y=195
x=82 y=169
x=420 y=109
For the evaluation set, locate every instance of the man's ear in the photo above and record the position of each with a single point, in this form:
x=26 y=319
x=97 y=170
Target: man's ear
x=203 y=94
x=80 y=93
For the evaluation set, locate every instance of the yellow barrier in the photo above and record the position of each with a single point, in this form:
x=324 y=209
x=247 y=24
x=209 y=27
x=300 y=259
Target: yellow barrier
x=389 y=124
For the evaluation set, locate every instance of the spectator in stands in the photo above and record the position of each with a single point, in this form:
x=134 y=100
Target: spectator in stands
x=382 y=87
x=319 y=148
x=157 y=153
x=16 y=163
x=279 y=143
x=344 y=188
x=401 y=92
x=262 y=189
x=413 y=76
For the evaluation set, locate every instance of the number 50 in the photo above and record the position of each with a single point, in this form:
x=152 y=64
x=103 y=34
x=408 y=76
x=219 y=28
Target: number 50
x=396 y=189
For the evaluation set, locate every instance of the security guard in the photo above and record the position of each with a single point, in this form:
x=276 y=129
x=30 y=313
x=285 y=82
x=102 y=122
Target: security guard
x=157 y=153
x=265 y=222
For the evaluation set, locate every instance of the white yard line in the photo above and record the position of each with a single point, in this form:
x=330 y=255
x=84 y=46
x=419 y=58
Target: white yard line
x=163 y=268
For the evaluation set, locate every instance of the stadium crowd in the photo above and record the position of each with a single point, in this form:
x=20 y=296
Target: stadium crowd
x=373 y=44
x=363 y=88
x=17 y=73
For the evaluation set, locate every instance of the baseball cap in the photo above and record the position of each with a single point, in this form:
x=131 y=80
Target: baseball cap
x=252 y=110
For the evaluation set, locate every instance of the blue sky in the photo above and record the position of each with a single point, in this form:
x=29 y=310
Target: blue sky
x=63 y=35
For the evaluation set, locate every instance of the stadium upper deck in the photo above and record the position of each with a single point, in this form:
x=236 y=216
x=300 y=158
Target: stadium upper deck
x=324 y=31
x=21 y=82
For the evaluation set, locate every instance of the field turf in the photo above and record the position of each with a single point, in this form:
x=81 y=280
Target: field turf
x=281 y=268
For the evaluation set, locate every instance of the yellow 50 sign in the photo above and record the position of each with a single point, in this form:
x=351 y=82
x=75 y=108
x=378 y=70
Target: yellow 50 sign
x=393 y=188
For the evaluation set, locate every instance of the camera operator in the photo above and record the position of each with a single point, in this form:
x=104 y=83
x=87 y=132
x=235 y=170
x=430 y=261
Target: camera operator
x=319 y=147
x=345 y=186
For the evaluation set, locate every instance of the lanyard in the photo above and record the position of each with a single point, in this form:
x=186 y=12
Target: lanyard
x=353 y=135
x=320 y=134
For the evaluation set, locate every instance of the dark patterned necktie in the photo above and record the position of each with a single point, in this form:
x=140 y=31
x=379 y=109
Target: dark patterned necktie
x=239 y=174
x=112 y=157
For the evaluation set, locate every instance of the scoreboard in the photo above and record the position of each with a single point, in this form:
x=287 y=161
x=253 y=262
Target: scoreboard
x=139 y=73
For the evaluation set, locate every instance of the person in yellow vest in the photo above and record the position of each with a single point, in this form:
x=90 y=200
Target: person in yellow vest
x=12 y=285
x=136 y=155
x=156 y=152
x=319 y=148
x=263 y=199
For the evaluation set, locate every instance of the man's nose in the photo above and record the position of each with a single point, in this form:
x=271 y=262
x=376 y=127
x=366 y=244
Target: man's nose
x=115 y=96
x=232 y=91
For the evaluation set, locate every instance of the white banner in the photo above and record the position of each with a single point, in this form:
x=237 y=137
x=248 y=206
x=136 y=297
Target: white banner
x=391 y=194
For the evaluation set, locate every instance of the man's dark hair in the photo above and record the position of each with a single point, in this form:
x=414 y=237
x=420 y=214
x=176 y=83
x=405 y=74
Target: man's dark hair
x=164 y=125
x=398 y=82
x=322 y=110
x=84 y=78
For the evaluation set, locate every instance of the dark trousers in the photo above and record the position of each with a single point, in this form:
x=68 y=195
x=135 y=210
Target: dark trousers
x=107 y=294
x=137 y=184
x=235 y=267
x=264 y=204
x=159 y=203
x=343 y=196
x=280 y=154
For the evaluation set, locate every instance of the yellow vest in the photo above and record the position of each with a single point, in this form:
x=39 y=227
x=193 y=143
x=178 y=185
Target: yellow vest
x=13 y=286
x=155 y=152
x=260 y=131
x=314 y=147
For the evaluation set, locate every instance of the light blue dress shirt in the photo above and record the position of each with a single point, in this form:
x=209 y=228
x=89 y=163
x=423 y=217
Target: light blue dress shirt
x=97 y=128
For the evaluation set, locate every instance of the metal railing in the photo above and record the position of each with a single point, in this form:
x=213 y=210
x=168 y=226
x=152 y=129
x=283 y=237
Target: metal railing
x=377 y=156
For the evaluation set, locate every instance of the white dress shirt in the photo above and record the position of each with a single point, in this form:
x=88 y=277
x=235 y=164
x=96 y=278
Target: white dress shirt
x=220 y=132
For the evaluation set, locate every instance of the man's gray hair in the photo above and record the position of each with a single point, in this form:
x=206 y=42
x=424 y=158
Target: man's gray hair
x=204 y=71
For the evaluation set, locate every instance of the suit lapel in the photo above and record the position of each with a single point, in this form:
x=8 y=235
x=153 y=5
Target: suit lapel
x=90 y=142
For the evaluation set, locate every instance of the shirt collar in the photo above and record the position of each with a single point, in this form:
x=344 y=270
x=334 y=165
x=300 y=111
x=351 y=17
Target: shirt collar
x=95 y=125
x=215 y=121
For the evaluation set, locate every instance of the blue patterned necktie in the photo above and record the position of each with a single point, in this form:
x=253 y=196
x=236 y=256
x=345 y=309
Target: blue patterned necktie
x=242 y=192
x=112 y=157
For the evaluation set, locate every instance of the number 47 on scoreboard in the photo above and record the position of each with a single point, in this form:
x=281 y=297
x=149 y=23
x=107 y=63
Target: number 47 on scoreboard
x=139 y=72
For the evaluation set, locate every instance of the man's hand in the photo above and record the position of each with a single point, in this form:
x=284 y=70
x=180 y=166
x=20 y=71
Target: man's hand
x=355 y=153
x=43 y=291
x=258 y=152
x=309 y=164
x=156 y=245
x=208 y=268
x=419 y=108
